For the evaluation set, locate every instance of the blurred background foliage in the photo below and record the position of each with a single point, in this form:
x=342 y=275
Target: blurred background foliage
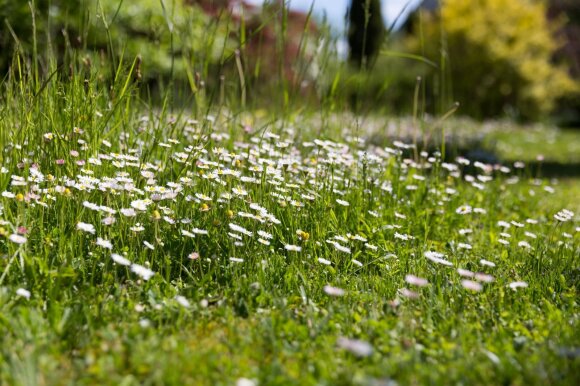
x=498 y=58
x=169 y=37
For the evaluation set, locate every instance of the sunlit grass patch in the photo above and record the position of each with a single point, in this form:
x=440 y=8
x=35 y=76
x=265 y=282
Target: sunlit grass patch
x=143 y=246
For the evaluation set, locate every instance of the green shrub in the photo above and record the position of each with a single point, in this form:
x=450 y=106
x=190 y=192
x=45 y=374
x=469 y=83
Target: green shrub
x=498 y=54
x=171 y=37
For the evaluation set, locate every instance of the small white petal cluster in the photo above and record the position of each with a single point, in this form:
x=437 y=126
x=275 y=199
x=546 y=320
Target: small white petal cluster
x=437 y=257
x=23 y=293
x=416 y=281
x=357 y=347
x=89 y=228
x=333 y=291
x=564 y=215
x=16 y=238
x=292 y=248
x=518 y=284
x=104 y=243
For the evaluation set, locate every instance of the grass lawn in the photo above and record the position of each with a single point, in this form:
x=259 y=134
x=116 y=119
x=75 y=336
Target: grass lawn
x=141 y=246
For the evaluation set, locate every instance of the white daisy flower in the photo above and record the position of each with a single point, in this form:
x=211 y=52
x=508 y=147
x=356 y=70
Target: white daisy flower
x=104 y=243
x=89 y=228
x=246 y=382
x=142 y=271
x=359 y=348
x=471 y=285
x=416 y=281
x=182 y=301
x=16 y=238
x=140 y=204
x=484 y=277
x=407 y=293
x=239 y=229
x=128 y=212
x=120 y=259
x=564 y=215
x=239 y=191
x=464 y=209
x=518 y=284
x=465 y=272
x=437 y=257
x=293 y=248
x=264 y=235
x=403 y=237
x=371 y=247
x=503 y=224
x=198 y=231
x=333 y=291
x=487 y=262
x=137 y=228
x=91 y=206
x=187 y=233
x=108 y=220
x=340 y=248
x=23 y=293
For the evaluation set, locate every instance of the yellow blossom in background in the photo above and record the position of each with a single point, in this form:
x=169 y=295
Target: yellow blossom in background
x=496 y=56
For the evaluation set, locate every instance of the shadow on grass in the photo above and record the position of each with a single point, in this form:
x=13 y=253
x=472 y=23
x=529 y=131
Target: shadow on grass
x=554 y=169
x=538 y=169
x=475 y=150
